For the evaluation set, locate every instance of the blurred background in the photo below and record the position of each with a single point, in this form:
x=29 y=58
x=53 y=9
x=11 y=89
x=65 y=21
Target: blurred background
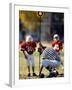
x=41 y=25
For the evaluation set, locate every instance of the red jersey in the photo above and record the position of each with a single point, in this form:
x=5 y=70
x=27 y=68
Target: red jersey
x=57 y=45
x=28 y=46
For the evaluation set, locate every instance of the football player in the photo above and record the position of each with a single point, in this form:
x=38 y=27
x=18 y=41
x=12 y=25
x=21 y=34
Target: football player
x=57 y=44
x=28 y=48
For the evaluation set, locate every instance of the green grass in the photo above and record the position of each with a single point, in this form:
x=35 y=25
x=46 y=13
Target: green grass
x=23 y=70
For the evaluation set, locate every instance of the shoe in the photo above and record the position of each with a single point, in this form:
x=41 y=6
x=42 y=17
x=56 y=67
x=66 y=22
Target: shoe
x=52 y=74
x=34 y=74
x=29 y=75
x=41 y=75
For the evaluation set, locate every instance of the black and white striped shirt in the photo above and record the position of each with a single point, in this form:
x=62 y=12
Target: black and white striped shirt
x=51 y=54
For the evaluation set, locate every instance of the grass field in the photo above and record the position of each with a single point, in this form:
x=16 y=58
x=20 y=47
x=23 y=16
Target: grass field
x=23 y=70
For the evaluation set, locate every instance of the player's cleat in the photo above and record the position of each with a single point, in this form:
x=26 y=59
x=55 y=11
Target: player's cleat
x=29 y=75
x=34 y=74
x=41 y=75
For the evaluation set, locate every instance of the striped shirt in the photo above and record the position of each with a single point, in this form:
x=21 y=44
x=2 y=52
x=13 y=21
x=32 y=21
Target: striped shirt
x=51 y=54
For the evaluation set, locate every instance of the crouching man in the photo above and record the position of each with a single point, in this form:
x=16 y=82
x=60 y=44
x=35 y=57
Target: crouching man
x=49 y=60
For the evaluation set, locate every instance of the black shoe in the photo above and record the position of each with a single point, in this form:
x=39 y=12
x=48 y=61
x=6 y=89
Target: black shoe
x=29 y=75
x=53 y=74
x=41 y=75
x=34 y=74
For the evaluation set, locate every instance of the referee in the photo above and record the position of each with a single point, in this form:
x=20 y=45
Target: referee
x=50 y=60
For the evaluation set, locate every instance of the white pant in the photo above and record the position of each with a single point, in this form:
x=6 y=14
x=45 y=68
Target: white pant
x=30 y=59
x=51 y=63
